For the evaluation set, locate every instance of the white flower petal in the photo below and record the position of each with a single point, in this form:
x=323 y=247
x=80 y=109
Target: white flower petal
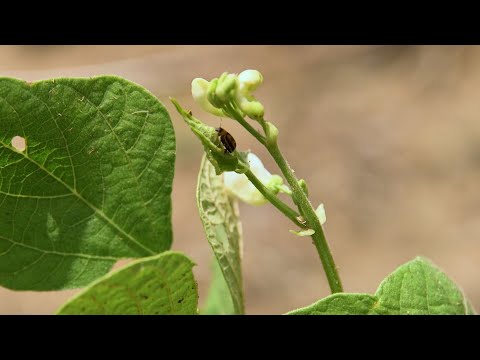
x=199 y=93
x=258 y=169
x=250 y=80
x=241 y=187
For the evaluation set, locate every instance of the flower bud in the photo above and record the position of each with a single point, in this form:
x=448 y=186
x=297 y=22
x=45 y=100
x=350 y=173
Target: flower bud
x=250 y=107
x=250 y=80
x=226 y=86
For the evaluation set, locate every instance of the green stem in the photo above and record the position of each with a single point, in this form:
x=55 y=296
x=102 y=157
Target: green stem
x=279 y=204
x=299 y=197
x=234 y=114
x=310 y=216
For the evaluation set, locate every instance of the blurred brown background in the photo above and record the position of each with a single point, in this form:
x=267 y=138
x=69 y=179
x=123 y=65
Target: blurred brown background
x=387 y=137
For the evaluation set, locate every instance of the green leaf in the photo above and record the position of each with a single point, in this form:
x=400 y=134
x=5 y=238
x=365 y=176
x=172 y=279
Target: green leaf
x=339 y=304
x=219 y=300
x=417 y=287
x=158 y=285
x=220 y=217
x=470 y=309
x=92 y=186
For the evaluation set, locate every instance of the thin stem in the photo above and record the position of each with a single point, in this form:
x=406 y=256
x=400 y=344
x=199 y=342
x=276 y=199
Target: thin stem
x=310 y=216
x=299 y=197
x=279 y=204
x=252 y=131
x=234 y=113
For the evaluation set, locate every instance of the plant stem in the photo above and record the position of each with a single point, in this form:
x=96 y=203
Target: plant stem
x=252 y=131
x=279 y=204
x=234 y=114
x=305 y=207
x=299 y=197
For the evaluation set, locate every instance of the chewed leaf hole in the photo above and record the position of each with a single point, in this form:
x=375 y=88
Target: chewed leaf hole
x=19 y=143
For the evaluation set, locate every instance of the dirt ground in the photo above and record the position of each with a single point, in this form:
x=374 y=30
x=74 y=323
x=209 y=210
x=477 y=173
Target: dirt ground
x=387 y=137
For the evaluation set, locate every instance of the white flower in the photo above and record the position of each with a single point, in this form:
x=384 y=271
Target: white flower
x=199 y=93
x=239 y=185
x=249 y=81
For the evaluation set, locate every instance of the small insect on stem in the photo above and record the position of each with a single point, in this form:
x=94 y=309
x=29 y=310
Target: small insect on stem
x=227 y=140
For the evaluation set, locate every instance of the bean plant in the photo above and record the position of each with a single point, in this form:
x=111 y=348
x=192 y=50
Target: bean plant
x=86 y=172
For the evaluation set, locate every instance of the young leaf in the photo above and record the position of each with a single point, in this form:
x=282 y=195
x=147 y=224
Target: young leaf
x=219 y=300
x=417 y=287
x=92 y=184
x=220 y=218
x=158 y=285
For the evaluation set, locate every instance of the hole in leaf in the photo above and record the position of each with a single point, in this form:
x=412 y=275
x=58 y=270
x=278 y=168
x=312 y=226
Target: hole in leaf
x=19 y=143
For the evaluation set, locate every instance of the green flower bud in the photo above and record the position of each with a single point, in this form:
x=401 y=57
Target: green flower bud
x=271 y=132
x=227 y=85
x=212 y=94
x=250 y=107
x=303 y=186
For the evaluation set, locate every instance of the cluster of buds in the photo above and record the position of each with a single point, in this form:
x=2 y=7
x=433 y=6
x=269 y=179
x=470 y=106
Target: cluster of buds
x=230 y=93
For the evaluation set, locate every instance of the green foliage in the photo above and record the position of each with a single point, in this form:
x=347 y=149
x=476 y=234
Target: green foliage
x=93 y=184
x=415 y=288
x=158 y=285
x=220 y=217
x=219 y=301
x=339 y=304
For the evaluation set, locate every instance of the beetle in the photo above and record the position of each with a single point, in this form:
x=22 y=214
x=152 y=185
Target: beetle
x=227 y=140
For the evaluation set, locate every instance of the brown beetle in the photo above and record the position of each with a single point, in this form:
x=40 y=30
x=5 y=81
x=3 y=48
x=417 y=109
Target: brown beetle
x=227 y=140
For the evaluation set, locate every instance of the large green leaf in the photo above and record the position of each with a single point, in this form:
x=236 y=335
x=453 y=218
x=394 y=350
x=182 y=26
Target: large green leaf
x=158 y=285
x=417 y=287
x=220 y=218
x=219 y=300
x=93 y=184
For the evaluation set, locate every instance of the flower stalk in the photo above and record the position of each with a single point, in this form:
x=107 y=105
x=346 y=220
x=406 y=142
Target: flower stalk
x=232 y=96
